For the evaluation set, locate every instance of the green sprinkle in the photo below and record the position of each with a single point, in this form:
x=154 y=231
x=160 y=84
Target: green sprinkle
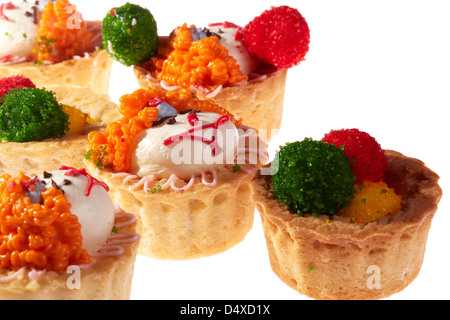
x=363 y=200
x=236 y=168
x=100 y=156
x=88 y=155
x=383 y=191
x=310 y=269
x=155 y=189
x=114 y=229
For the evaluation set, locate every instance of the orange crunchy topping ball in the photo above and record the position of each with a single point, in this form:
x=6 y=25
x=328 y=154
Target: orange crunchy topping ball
x=204 y=63
x=113 y=149
x=373 y=200
x=77 y=120
x=41 y=235
x=62 y=33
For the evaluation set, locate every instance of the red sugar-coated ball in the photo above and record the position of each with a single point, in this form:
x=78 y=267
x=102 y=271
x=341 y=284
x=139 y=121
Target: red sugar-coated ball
x=366 y=156
x=12 y=82
x=279 y=36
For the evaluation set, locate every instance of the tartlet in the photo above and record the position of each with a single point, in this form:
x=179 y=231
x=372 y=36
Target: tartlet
x=32 y=157
x=223 y=62
x=87 y=66
x=336 y=258
x=189 y=209
x=102 y=264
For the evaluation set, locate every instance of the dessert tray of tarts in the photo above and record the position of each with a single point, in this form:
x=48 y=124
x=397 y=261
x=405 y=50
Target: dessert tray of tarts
x=176 y=169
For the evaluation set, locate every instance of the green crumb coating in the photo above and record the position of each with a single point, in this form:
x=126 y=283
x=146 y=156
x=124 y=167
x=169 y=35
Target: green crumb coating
x=130 y=34
x=31 y=114
x=312 y=177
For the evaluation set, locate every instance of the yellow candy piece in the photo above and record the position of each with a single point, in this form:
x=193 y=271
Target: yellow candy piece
x=373 y=200
x=77 y=120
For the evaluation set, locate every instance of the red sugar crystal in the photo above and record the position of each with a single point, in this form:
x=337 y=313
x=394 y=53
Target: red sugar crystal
x=12 y=82
x=365 y=154
x=279 y=36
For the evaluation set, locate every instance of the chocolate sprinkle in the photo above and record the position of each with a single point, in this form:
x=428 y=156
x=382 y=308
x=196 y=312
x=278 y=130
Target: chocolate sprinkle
x=210 y=34
x=66 y=182
x=35 y=20
x=169 y=120
x=47 y=175
x=189 y=111
x=54 y=184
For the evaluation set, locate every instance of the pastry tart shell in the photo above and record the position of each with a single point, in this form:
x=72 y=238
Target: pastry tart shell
x=90 y=71
x=199 y=222
x=336 y=259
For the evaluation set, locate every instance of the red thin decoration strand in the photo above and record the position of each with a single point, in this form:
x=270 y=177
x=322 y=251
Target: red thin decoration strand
x=91 y=180
x=211 y=142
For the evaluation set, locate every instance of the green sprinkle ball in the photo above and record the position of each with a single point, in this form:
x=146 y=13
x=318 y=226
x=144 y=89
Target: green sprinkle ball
x=312 y=177
x=31 y=114
x=130 y=34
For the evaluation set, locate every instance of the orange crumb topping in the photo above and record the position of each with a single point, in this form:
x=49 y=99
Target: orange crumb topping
x=62 y=33
x=42 y=236
x=185 y=62
x=113 y=148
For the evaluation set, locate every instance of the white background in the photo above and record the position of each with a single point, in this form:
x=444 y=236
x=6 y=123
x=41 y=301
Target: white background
x=380 y=66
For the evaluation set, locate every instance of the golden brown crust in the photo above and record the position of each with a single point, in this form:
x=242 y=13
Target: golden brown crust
x=33 y=158
x=332 y=259
x=259 y=103
x=108 y=278
x=199 y=222
x=92 y=71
